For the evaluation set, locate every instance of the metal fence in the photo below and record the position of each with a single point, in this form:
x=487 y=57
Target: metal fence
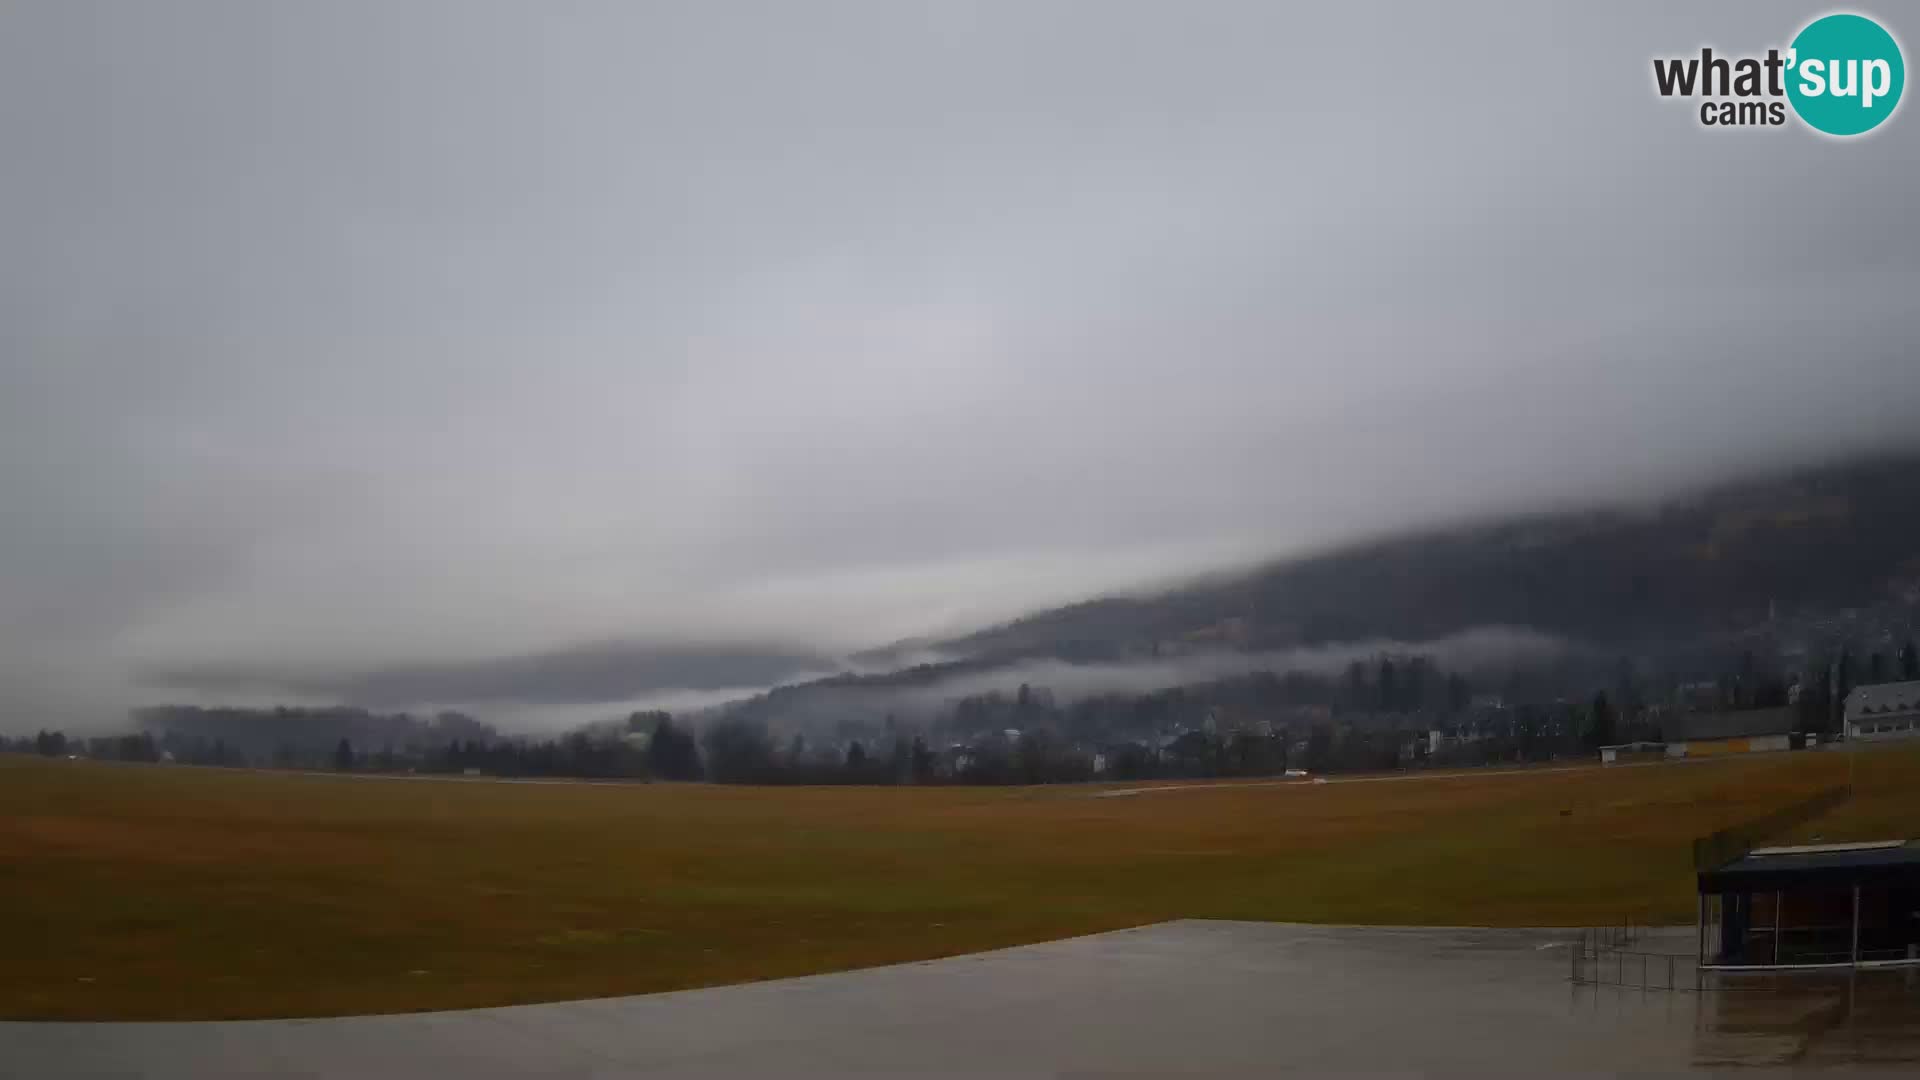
x=1605 y=956
x=1602 y=956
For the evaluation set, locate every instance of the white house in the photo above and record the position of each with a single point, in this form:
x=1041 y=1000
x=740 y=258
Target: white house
x=1884 y=711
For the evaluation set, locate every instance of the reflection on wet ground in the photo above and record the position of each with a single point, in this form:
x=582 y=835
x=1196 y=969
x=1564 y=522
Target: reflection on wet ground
x=1791 y=1019
x=1244 y=998
x=1812 y=1019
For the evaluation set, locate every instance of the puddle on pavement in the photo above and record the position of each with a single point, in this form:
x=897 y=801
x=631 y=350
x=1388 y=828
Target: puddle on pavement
x=1871 y=1018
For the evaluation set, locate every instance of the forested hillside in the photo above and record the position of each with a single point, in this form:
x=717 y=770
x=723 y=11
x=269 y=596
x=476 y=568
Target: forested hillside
x=1815 y=541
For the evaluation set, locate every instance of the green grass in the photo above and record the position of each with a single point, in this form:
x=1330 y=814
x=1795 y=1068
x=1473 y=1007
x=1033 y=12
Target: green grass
x=155 y=892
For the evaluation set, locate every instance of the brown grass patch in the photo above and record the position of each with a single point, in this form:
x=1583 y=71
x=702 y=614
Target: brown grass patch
x=210 y=893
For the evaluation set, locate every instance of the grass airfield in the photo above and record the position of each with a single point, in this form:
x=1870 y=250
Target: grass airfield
x=152 y=892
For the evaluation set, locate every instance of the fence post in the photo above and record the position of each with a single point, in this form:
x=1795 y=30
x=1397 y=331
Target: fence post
x=1856 y=924
x=1700 y=954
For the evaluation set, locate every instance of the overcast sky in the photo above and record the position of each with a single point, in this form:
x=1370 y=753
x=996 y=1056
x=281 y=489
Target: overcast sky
x=338 y=338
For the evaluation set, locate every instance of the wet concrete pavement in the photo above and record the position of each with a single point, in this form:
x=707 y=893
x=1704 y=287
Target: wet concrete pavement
x=1192 y=996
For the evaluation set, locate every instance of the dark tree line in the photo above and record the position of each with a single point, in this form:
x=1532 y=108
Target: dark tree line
x=139 y=747
x=741 y=750
x=578 y=754
x=1389 y=712
x=304 y=737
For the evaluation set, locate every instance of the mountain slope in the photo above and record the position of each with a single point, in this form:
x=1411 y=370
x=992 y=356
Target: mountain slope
x=1815 y=540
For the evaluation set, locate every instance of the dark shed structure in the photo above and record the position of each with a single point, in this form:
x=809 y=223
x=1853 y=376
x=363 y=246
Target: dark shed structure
x=1821 y=905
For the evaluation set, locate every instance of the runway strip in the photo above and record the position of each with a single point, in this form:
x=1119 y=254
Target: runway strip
x=1217 y=997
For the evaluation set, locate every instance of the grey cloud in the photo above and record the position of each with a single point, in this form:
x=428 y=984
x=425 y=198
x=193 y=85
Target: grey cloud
x=350 y=347
x=1473 y=650
x=589 y=674
x=1477 y=651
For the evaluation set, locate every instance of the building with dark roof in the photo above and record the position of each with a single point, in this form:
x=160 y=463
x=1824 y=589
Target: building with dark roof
x=1701 y=734
x=1817 y=905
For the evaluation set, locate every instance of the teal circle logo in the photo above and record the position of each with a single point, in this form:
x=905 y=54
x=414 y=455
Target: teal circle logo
x=1845 y=74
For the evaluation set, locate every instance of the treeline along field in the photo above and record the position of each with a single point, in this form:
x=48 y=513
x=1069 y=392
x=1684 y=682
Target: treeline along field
x=137 y=891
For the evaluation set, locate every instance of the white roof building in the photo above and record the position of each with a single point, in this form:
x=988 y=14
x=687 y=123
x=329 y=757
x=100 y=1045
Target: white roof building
x=1884 y=711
